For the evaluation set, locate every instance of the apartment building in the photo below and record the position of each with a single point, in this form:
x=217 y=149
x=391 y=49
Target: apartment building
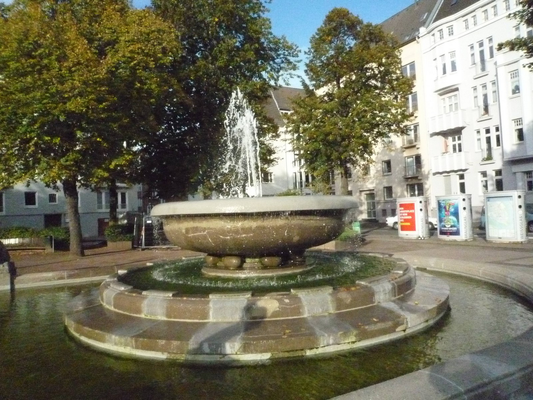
x=476 y=99
x=36 y=206
x=401 y=167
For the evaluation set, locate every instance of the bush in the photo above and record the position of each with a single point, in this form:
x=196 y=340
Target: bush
x=60 y=234
x=14 y=232
x=119 y=233
x=290 y=192
x=347 y=235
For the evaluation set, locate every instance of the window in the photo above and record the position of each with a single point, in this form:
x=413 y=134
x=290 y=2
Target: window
x=2 y=206
x=478 y=140
x=412 y=102
x=30 y=199
x=474 y=97
x=440 y=32
x=474 y=20
x=484 y=182
x=498 y=180
x=102 y=200
x=472 y=54
x=517 y=31
x=456 y=144
x=462 y=185
x=494 y=91
x=453 y=62
x=387 y=193
x=518 y=130
x=450 y=30
x=506 y=5
x=529 y=181
x=485 y=14
x=490 y=45
x=409 y=70
x=481 y=53
x=515 y=82
x=485 y=99
x=465 y=22
x=488 y=145
x=386 y=167
x=497 y=137
x=415 y=189
x=443 y=64
x=52 y=198
x=495 y=10
x=122 y=201
x=413 y=165
x=266 y=177
x=412 y=136
x=450 y=103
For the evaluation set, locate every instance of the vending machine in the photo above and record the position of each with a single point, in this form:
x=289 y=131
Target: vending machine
x=455 y=217
x=413 y=218
x=505 y=216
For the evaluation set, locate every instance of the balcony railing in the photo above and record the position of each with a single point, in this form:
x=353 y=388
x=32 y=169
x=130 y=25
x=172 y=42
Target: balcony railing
x=449 y=162
x=447 y=122
x=412 y=171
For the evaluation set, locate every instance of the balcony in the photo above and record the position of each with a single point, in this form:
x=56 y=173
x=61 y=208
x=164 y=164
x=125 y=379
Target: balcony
x=445 y=82
x=443 y=123
x=413 y=171
x=449 y=162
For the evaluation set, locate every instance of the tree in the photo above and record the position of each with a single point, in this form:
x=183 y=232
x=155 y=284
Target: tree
x=358 y=98
x=79 y=85
x=525 y=44
x=227 y=44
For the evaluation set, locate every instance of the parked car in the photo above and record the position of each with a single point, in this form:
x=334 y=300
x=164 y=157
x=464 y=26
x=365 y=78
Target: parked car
x=393 y=222
x=529 y=217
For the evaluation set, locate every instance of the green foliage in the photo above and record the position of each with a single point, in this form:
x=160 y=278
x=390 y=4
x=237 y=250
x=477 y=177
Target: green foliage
x=227 y=44
x=80 y=84
x=119 y=233
x=358 y=101
x=348 y=235
x=525 y=44
x=290 y=192
x=14 y=232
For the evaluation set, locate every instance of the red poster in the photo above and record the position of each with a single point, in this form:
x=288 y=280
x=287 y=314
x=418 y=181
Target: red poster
x=407 y=218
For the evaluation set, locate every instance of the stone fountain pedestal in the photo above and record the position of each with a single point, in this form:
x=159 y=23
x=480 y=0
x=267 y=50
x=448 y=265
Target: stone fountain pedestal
x=242 y=328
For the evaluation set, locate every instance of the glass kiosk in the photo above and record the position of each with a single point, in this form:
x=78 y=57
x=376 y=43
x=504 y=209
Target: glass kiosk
x=505 y=216
x=413 y=218
x=455 y=217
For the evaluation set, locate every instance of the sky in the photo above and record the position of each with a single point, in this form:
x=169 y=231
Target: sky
x=298 y=20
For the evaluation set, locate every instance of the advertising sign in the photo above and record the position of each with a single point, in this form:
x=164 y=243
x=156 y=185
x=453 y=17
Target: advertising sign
x=449 y=221
x=406 y=217
x=500 y=217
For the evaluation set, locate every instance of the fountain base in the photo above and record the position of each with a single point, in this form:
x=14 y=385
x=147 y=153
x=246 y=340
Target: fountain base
x=243 y=328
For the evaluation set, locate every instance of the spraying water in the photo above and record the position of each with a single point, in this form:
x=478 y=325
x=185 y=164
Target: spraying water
x=241 y=171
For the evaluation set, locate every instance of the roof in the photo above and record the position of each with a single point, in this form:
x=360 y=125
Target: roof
x=406 y=24
x=451 y=7
x=280 y=101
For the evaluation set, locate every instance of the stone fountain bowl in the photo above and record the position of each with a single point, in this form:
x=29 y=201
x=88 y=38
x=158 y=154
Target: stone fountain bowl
x=254 y=227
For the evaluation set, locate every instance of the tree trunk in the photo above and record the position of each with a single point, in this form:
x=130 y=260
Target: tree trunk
x=113 y=202
x=71 y=195
x=344 y=181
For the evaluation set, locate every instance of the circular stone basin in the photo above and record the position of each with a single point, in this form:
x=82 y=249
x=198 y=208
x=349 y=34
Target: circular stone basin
x=244 y=327
x=254 y=227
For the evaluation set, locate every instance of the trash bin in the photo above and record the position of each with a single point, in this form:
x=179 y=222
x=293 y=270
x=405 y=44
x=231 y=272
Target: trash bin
x=356 y=227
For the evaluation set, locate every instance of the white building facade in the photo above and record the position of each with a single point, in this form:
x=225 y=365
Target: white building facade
x=476 y=101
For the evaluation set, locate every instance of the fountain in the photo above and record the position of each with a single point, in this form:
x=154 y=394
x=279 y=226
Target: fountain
x=247 y=239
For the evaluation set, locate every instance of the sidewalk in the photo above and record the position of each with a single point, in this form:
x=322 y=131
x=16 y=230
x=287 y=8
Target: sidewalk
x=50 y=268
